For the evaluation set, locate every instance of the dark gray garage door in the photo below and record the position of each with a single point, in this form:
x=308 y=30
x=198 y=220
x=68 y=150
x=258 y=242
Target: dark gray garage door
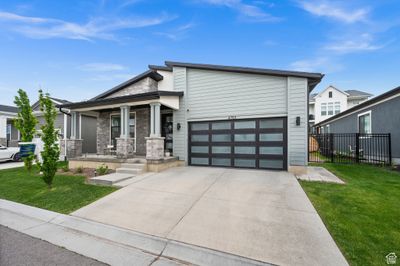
x=250 y=143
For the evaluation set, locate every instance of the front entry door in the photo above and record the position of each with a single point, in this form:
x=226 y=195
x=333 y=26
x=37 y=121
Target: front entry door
x=167 y=131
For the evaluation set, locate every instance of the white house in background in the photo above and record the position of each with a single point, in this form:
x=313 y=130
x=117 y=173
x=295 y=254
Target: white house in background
x=332 y=101
x=8 y=132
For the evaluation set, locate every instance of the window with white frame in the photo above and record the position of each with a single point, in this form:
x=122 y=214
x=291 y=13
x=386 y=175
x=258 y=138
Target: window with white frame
x=323 y=109
x=364 y=123
x=337 y=108
x=328 y=129
x=330 y=108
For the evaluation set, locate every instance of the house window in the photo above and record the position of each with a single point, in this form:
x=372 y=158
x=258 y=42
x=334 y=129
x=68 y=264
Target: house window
x=330 y=108
x=328 y=129
x=323 y=109
x=337 y=108
x=116 y=127
x=330 y=94
x=364 y=123
x=8 y=131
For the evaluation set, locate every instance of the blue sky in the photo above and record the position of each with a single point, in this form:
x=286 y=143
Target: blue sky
x=77 y=49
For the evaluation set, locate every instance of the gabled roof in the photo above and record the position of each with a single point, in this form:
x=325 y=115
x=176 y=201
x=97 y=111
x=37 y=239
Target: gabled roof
x=56 y=101
x=357 y=93
x=332 y=87
x=360 y=106
x=313 y=78
x=147 y=74
x=8 y=109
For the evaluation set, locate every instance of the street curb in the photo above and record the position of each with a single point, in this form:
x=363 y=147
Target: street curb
x=110 y=244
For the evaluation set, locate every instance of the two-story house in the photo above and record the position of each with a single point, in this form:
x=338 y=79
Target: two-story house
x=333 y=101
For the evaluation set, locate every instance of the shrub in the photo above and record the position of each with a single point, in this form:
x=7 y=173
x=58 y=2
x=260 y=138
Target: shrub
x=102 y=169
x=25 y=123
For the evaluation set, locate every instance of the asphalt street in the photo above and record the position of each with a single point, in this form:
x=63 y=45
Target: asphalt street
x=19 y=249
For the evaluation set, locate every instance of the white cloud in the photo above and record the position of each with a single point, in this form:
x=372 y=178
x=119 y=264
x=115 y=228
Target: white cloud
x=319 y=64
x=248 y=12
x=177 y=33
x=334 y=11
x=362 y=43
x=97 y=28
x=101 y=67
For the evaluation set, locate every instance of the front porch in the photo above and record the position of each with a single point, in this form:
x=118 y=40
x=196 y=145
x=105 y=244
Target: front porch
x=128 y=129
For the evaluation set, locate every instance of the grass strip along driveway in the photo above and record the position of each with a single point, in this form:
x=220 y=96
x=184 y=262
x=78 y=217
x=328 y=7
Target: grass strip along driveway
x=68 y=194
x=363 y=216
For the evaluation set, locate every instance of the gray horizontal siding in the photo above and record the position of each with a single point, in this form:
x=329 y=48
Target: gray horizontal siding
x=297 y=135
x=384 y=119
x=179 y=116
x=217 y=94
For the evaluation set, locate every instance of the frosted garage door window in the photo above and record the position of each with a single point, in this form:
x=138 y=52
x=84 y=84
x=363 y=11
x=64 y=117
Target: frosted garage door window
x=275 y=123
x=245 y=124
x=245 y=137
x=278 y=164
x=199 y=149
x=197 y=138
x=202 y=161
x=271 y=150
x=202 y=126
x=221 y=149
x=271 y=137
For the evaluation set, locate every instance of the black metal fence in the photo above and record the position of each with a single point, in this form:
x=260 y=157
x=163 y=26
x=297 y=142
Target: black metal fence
x=350 y=148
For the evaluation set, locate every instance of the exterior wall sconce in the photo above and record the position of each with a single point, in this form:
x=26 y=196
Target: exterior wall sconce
x=178 y=126
x=297 y=120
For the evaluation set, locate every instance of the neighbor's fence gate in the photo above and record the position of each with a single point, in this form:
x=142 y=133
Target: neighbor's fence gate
x=350 y=148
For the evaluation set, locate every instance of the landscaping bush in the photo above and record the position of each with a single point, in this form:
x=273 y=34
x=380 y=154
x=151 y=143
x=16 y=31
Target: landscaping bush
x=102 y=169
x=65 y=168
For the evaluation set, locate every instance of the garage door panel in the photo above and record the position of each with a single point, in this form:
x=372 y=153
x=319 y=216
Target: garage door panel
x=249 y=143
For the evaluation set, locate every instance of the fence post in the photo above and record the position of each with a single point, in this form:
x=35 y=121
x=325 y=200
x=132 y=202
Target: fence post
x=390 y=149
x=331 y=137
x=357 y=147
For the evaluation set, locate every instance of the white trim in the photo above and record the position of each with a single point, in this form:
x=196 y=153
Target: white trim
x=370 y=121
x=115 y=113
x=361 y=109
x=111 y=106
x=236 y=117
x=330 y=86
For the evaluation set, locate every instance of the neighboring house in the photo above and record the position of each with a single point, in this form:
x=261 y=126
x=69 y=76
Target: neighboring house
x=204 y=115
x=9 y=135
x=87 y=127
x=333 y=101
x=378 y=115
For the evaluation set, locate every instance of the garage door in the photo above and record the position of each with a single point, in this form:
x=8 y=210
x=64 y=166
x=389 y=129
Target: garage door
x=250 y=143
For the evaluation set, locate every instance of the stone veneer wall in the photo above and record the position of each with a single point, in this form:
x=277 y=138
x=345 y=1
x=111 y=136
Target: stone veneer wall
x=142 y=129
x=142 y=86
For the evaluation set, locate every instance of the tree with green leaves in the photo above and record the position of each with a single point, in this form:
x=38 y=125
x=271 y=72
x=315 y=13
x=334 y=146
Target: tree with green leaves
x=51 y=150
x=25 y=123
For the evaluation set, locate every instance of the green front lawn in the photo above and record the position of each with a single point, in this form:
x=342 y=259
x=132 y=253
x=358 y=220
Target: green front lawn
x=363 y=216
x=69 y=192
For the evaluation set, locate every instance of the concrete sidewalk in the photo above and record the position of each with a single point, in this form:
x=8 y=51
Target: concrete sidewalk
x=109 y=244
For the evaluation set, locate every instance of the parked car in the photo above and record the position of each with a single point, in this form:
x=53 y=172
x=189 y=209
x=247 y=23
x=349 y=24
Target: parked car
x=9 y=154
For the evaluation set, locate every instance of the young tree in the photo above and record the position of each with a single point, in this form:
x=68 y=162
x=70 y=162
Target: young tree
x=25 y=123
x=51 y=151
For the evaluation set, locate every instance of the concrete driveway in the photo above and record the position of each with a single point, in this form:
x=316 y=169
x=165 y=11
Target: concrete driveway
x=262 y=215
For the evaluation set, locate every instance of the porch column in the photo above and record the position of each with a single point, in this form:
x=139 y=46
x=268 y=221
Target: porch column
x=124 y=122
x=73 y=146
x=155 y=120
x=155 y=143
x=125 y=144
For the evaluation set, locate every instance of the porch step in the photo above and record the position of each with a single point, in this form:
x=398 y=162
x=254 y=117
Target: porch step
x=131 y=171
x=111 y=179
x=133 y=165
x=137 y=160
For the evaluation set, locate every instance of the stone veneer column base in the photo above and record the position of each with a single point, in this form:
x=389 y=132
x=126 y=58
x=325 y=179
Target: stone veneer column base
x=125 y=147
x=74 y=148
x=155 y=148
